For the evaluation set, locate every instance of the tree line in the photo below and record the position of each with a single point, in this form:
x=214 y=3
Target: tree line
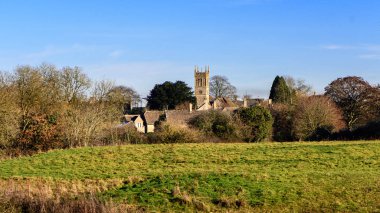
x=349 y=109
x=45 y=107
x=349 y=105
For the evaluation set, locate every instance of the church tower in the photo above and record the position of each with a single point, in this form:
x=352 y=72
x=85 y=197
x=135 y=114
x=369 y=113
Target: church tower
x=202 y=87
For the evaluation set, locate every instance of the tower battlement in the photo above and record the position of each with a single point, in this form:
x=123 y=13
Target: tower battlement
x=201 y=71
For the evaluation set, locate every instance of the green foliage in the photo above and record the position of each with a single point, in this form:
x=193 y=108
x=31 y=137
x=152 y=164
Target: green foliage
x=216 y=123
x=280 y=92
x=258 y=120
x=283 y=122
x=169 y=95
x=313 y=177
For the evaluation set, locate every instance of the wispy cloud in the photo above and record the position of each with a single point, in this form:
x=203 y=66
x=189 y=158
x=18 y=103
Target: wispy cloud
x=249 y=2
x=116 y=53
x=364 y=51
x=337 y=47
x=370 y=56
x=370 y=47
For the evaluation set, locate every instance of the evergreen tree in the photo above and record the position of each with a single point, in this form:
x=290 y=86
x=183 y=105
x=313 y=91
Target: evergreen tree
x=280 y=92
x=169 y=95
x=259 y=122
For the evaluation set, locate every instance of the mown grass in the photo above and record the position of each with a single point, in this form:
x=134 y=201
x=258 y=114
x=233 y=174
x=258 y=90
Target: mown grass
x=327 y=176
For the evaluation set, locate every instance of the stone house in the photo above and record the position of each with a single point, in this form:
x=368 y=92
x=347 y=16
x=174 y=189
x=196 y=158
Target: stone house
x=150 y=119
x=136 y=120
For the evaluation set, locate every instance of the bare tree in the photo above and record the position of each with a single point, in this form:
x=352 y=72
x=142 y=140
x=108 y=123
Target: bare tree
x=74 y=83
x=84 y=123
x=355 y=97
x=221 y=87
x=30 y=86
x=123 y=97
x=298 y=86
x=102 y=89
x=8 y=110
x=313 y=114
x=52 y=92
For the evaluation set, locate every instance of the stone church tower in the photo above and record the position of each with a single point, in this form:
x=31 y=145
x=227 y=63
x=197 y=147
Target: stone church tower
x=202 y=87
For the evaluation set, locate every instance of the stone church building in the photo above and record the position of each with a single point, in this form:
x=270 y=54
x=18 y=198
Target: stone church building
x=204 y=101
x=202 y=94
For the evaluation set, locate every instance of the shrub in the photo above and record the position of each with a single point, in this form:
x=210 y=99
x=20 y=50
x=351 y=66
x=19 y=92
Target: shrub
x=259 y=122
x=217 y=123
x=126 y=134
x=169 y=134
x=315 y=118
x=371 y=131
x=282 y=126
x=40 y=133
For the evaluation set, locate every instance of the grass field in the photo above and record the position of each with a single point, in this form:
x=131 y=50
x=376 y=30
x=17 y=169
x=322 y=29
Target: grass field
x=327 y=176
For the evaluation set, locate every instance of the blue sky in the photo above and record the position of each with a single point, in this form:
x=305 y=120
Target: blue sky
x=139 y=43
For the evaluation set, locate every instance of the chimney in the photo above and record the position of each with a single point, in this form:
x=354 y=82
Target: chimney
x=245 y=103
x=190 y=107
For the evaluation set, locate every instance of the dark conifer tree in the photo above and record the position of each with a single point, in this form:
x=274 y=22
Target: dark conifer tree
x=169 y=95
x=280 y=92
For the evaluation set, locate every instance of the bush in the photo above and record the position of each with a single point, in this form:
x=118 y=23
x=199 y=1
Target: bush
x=169 y=134
x=282 y=126
x=371 y=131
x=40 y=133
x=259 y=122
x=217 y=123
x=123 y=135
x=321 y=133
x=315 y=118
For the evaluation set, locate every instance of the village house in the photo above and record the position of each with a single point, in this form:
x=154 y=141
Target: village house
x=150 y=120
x=136 y=121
